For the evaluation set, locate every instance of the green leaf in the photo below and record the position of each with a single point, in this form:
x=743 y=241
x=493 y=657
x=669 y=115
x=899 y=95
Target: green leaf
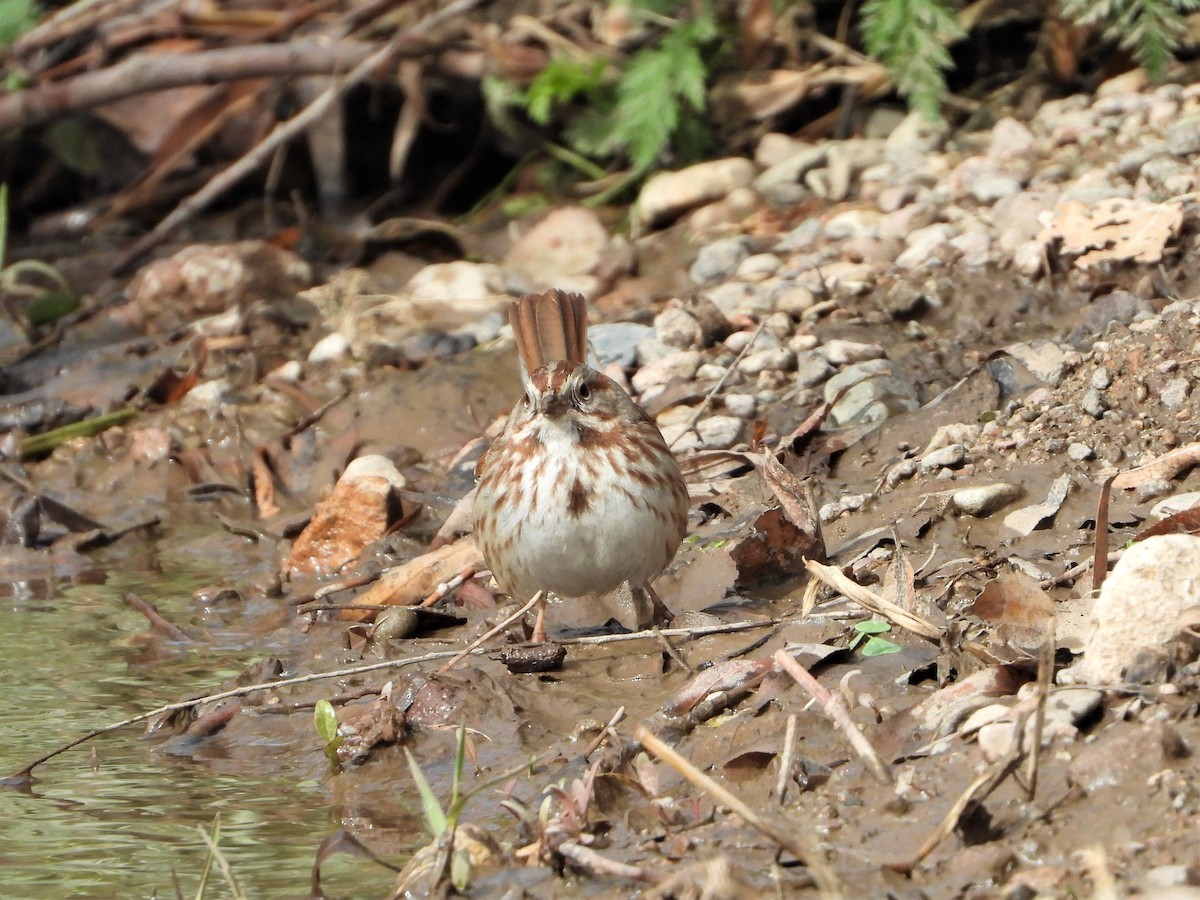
x=16 y=18
x=909 y=37
x=74 y=143
x=1149 y=29
x=46 y=441
x=325 y=721
x=877 y=646
x=435 y=816
x=561 y=82
x=460 y=759
x=872 y=626
x=44 y=309
x=460 y=869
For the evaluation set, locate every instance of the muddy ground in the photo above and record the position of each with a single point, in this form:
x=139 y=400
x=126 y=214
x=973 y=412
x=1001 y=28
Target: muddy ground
x=584 y=809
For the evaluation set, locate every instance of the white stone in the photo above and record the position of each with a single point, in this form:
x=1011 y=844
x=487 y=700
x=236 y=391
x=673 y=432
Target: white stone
x=669 y=194
x=332 y=346
x=1152 y=593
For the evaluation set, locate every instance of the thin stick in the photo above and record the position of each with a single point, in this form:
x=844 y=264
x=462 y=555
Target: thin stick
x=949 y=821
x=835 y=707
x=781 y=835
x=800 y=846
x=670 y=650
x=708 y=398
x=787 y=760
x=447 y=586
x=868 y=599
x=23 y=774
x=1044 y=676
x=598 y=864
x=617 y=718
x=978 y=791
x=487 y=636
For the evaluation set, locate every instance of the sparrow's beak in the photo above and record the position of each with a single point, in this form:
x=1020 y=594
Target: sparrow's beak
x=551 y=404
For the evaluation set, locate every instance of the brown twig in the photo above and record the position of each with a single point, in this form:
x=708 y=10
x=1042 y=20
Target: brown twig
x=158 y=71
x=978 y=791
x=597 y=864
x=868 y=599
x=157 y=622
x=447 y=586
x=617 y=718
x=835 y=707
x=488 y=635
x=285 y=132
x=800 y=846
x=787 y=759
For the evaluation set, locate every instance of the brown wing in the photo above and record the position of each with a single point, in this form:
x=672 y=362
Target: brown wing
x=549 y=327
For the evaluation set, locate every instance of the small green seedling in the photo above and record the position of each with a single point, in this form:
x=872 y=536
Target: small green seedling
x=442 y=821
x=326 y=723
x=872 y=645
x=46 y=306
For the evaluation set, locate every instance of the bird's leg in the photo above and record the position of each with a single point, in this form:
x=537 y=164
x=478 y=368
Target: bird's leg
x=662 y=615
x=539 y=624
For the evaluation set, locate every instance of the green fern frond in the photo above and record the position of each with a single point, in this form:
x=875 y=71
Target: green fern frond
x=561 y=82
x=1149 y=29
x=910 y=37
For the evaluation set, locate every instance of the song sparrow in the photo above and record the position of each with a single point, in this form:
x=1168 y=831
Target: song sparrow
x=581 y=492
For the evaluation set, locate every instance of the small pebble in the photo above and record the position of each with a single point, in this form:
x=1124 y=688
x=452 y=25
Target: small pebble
x=1174 y=393
x=1093 y=403
x=718 y=260
x=741 y=405
x=1079 y=451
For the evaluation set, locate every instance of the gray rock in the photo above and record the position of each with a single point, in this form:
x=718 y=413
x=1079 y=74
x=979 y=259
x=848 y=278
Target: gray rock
x=950 y=457
x=803 y=237
x=841 y=353
x=1093 y=403
x=1078 y=451
x=793 y=299
x=718 y=260
x=1183 y=137
x=758 y=266
x=983 y=500
x=779 y=359
x=616 y=343
x=681 y=364
x=712 y=433
x=1175 y=392
x=676 y=327
x=1164 y=170
x=812 y=368
x=332 y=346
x=876 y=391
x=740 y=298
x=1163 y=573
x=1044 y=359
x=744 y=406
x=1101 y=379
x=1120 y=307
x=670 y=194
x=781 y=184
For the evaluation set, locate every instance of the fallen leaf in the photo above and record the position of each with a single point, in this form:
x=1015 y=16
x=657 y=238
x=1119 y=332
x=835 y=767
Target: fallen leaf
x=1113 y=230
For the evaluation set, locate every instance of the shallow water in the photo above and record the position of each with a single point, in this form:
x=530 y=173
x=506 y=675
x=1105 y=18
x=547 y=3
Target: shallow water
x=118 y=816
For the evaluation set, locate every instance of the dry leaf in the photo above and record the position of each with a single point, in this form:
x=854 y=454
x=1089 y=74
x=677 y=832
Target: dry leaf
x=1114 y=230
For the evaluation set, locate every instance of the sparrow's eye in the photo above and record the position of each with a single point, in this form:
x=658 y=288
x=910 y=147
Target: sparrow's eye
x=529 y=398
x=584 y=391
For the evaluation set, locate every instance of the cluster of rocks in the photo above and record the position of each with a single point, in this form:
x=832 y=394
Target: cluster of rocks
x=804 y=237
